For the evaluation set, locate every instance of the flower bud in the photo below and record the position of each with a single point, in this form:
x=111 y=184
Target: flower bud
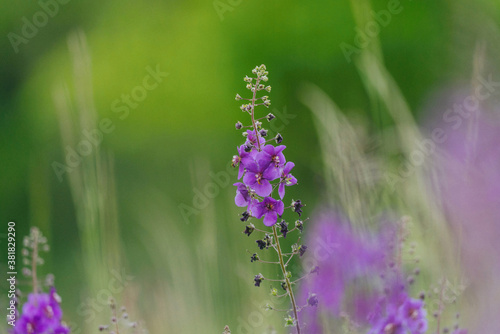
x=312 y=300
x=258 y=279
x=238 y=125
x=299 y=224
x=270 y=117
x=249 y=229
x=263 y=132
x=254 y=257
x=238 y=97
x=268 y=89
x=244 y=216
x=278 y=138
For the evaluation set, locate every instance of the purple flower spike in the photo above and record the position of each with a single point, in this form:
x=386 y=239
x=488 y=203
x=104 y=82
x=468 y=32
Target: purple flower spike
x=287 y=179
x=242 y=195
x=269 y=208
x=257 y=177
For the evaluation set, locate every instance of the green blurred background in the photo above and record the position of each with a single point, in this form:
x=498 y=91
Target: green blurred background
x=190 y=275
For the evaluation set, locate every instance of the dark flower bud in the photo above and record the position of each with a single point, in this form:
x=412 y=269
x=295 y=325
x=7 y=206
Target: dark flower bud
x=283 y=285
x=258 y=279
x=315 y=270
x=302 y=250
x=284 y=228
x=244 y=216
x=238 y=97
x=254 y=257
x=312 y=300
x=268 y=240
x=297 y=206
x=248 y=148
x=238 y=125
x=278 y=138
x=263 y=132
x=299 y=224
x=249 y=229
x=270 y=117
x=261 y=244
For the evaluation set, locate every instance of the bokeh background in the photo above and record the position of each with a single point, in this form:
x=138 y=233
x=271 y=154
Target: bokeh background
x=121 y=209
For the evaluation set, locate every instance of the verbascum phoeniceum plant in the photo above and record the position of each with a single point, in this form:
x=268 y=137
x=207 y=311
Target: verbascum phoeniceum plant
x=265 y=173
x=41 y=313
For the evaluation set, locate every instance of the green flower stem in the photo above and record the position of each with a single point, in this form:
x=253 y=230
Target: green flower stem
x=287 y=280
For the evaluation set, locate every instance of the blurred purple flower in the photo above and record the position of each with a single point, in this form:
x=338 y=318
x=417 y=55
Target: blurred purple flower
x=346 y=258
x=41 y=314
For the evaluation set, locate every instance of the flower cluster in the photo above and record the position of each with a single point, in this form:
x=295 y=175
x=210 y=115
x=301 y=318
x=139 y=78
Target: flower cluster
x=262 y=166
x=41 y=314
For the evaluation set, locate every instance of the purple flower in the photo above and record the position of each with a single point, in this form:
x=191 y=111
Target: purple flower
x=390 y=325
x=414 y=315
x=257 y=177
x=273 y=156
x=242 y=195
x=41 y=314
x=269 y=208
x=287 y=179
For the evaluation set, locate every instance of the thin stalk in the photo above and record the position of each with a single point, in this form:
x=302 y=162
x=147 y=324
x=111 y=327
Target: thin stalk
x=287 y=280
x=254 y=98
x=34 y=260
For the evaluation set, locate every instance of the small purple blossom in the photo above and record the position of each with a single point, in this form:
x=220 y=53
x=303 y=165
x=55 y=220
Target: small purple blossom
x=273 y=156
x=258 y=177
x=287 y=179
x=270 y=209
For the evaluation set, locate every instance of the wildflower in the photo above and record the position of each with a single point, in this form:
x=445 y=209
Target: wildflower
x=41 y=314
x=413 y=315
x=270 y=117
x=238 y=125
x=254 y=257
x=273 y=156
x=287 y=179
x=252 y=138
x=242 y=195
x=257 y=177
x=269 y=208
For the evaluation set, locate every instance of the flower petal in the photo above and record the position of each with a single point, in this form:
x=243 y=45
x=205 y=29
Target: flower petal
x=281 y=190
x=270 y=218
x=263 y=189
